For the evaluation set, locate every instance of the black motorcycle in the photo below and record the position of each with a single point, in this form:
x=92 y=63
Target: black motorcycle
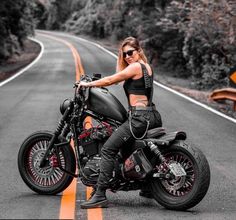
x=177 y=175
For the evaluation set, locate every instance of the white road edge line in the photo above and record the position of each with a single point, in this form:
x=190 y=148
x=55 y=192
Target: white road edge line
x=196 y=102
x=99 y=46
x=155 y=82
x=169 y=89
x=28 y=66
x=82 y=39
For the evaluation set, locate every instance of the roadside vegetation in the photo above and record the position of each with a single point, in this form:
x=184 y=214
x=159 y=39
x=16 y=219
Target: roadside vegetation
x=17 y=22
x=193 y=39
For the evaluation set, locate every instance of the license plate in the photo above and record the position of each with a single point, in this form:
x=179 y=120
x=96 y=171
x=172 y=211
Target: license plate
x=177 y=169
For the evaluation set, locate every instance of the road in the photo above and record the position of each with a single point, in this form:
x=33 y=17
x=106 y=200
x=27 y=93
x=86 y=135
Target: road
x=31 y=102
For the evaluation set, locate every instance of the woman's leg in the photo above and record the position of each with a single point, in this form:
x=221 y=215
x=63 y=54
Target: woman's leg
x=111 y=148
x=118 y=140
x=108 y=154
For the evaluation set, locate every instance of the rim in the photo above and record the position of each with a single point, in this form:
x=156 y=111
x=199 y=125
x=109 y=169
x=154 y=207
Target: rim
x=180 y=186
x=49 y=175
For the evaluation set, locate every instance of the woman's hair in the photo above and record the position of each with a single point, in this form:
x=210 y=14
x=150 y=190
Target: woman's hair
x=133 y=42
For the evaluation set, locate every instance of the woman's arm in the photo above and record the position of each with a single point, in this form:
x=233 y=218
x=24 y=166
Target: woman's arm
x=129 y=72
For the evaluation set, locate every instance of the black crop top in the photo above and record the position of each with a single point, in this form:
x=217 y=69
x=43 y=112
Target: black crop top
x=141 y=86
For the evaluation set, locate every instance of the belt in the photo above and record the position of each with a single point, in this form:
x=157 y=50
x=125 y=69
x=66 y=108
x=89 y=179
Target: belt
x=142 y=108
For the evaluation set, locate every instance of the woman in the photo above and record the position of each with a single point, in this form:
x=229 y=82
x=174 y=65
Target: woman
x=132 y=67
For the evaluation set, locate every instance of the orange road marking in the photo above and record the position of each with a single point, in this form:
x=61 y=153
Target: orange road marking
x=68 y=200
x=93 y=214
x=78 y=66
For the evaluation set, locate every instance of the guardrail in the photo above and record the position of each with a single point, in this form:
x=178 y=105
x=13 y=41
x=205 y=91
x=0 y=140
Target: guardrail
x=224 y=94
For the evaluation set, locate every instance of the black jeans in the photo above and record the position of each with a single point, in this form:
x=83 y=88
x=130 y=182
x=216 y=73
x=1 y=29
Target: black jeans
x=120 y=137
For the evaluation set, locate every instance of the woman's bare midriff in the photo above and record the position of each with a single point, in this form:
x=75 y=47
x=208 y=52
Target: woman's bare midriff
x=138 y=100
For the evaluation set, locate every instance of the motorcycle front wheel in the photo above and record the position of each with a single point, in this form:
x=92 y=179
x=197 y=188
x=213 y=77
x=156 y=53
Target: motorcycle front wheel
x=50 y=179
x=184 y=192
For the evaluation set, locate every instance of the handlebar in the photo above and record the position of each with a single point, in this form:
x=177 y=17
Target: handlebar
x=81 y=90
x=87 y=78
x=84 y=78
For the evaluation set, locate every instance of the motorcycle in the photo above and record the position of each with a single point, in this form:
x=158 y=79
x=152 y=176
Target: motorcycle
x=178 y=175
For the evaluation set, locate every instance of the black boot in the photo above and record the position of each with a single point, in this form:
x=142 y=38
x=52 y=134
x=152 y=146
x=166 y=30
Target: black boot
x=145 y=191
x=146 y=194
x=98 y=200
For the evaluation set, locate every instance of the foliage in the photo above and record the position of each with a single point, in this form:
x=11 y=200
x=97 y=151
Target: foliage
x=189 y=38
x=16 y=24
x=58 y=11
x=209 y=44
x=149 y=20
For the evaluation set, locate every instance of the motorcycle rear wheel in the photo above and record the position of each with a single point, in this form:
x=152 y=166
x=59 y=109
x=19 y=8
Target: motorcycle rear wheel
x=184 y=192
x=49 y=180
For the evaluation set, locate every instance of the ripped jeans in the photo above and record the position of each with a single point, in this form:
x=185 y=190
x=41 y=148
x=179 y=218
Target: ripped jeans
x=120 y=137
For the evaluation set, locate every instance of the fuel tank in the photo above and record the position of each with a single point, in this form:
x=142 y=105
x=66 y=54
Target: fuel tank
x=102 y=102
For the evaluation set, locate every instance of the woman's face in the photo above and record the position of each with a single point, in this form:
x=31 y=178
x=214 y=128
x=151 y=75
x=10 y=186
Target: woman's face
x=130 y=54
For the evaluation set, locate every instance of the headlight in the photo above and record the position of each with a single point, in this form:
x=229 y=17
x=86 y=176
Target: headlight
x=64 y=105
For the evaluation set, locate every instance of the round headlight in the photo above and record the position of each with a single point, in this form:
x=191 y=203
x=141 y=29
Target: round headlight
x=64 y=105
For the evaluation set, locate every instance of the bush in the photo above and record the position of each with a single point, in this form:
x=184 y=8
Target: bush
x=210 y=42
x=189 y=38
x=16 y=23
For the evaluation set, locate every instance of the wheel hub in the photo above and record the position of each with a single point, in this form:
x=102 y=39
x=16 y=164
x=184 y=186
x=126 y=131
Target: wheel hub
x=37 y=157
x=48 y=175
x=179 y=185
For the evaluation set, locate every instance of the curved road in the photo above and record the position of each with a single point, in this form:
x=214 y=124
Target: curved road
x=31 y=102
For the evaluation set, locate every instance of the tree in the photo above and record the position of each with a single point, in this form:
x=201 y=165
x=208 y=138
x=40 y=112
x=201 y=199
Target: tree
x=16 y=23
x=209 y=44
x=195 y=38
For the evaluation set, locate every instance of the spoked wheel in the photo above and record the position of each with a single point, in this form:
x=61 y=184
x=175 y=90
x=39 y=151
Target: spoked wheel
x=180 y=186
x=186 y=191
x=49 y=179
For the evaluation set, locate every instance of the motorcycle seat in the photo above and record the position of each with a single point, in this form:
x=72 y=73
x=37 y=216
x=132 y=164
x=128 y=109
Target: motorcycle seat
x=156 y=132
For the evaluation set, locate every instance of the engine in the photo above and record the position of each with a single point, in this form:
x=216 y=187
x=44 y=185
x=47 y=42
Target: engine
x=136 y=166
x=91 y=142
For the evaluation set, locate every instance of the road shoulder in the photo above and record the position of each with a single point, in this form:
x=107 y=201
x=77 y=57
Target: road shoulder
x=18 y=62
x=184 y=86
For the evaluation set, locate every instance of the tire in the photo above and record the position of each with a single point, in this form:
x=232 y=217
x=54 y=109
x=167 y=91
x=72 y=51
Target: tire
x=183 y=193
x=49 y=180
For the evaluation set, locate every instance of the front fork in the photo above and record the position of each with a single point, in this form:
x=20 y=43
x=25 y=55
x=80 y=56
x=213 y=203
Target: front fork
x=54 y=138
x=60 y=134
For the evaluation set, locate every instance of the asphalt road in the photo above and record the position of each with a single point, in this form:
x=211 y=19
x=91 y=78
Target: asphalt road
x=31 y=102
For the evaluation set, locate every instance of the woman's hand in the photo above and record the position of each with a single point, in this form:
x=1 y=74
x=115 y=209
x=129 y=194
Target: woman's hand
x=84 y=84
x=81 y=84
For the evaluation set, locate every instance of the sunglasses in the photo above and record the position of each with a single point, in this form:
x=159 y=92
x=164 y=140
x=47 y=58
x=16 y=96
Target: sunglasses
x=129 y=53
